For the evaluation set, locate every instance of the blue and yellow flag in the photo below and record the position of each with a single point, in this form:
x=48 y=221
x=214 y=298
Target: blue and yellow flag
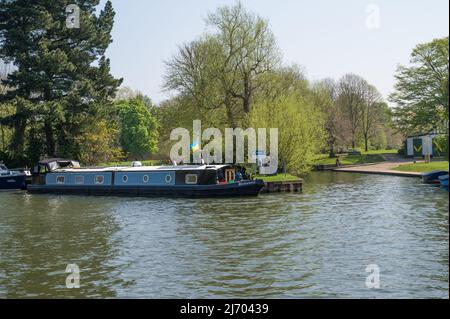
x=195 y=147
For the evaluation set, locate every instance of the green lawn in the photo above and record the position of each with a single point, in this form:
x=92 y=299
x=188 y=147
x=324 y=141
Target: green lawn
x=379 y=152
x=422 y=167
x=324 y=159
x=278 y=178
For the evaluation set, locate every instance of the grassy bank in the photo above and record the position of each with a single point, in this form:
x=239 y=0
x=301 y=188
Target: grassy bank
x=324 y=159
x=371 y=156
x=423 y=167
x=279 y=178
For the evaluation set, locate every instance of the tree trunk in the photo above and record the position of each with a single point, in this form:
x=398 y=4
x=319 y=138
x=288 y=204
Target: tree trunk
x=17 y=142
x=3 y=138
x=332 y=154
x=366 y=142
x=18 y=138
x=247 y=95
x=230 y=117
x=353 y=138
x=48 y=130
x=246 y=105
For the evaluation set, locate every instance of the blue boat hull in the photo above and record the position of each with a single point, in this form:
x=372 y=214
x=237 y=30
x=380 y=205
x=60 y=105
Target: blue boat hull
x=251 y=188
x=13 y=182
x=444 y=182
x=433 y=177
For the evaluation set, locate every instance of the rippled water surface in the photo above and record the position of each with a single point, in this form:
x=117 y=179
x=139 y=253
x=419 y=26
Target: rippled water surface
x=316 y=244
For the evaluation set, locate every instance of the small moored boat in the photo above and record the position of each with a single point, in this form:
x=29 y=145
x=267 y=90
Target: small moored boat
x=61 y=176
x=11 y=179
x=444 y=181
x=433 y=177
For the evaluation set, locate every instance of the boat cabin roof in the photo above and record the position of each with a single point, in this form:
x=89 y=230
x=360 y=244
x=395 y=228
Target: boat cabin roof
x=143 y=168
x=54 y=164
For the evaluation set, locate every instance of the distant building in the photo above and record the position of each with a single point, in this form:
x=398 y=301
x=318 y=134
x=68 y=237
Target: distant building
x=422 y=145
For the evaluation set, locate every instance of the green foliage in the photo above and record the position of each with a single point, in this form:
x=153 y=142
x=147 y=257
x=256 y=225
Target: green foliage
x=278 y=178
x=300 y=129
x=225 y=69
x=441 y=144
x=61 y=81
x=138 y=128
x=98 y=143
x=422 y=89
x=349 y=159
x=379 y=140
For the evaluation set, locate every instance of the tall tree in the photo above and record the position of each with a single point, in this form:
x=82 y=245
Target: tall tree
x=372 y=113
x=325 y=95
x=421 y=90
x=138 y=128
x=225 y=69
x=61 y=78
x=4 y=108
x=300 y=129
x=351 y=100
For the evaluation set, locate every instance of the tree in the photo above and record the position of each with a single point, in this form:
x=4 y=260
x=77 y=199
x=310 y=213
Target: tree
x=224 y=69
x=325 y=95
x=300 y=129
x=61 y=80
x=98 y=143
x=421 y=90
x=5 y=111
x=138 y=128
x=372 y=113
x=351 y=100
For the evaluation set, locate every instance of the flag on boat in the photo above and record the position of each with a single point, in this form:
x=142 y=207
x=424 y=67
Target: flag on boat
x=195 y=146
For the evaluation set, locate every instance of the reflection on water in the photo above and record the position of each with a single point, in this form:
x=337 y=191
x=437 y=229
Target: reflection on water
x=316 y=244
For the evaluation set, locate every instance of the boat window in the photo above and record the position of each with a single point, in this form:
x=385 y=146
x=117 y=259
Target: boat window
x=53 y=166
x=60 y=179
x=145 y=178
x=168 y=179
x=191 y=179
x=124 y=178
x=79 y=179
x=99 y=179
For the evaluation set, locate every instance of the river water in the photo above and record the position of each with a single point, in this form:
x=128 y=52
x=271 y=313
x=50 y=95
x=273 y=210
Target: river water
x=311 y=245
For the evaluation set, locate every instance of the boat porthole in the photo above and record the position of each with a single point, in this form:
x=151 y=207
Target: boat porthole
x=124 y=178
x=168 y=179
x=145 y=179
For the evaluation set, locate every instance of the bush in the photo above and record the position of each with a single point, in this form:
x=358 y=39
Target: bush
x=440 y=145
x=402 y=150
x=300 y=129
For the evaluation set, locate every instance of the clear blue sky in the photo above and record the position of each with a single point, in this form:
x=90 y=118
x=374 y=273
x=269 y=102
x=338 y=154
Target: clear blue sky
x=328 y=38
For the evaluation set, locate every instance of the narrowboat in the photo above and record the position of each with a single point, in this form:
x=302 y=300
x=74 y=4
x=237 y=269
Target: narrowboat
x=12 y=179
x=433 y=177
x=61 y=176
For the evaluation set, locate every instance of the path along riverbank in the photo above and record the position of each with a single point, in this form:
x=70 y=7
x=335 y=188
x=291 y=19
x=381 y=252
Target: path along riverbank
x=384 y=168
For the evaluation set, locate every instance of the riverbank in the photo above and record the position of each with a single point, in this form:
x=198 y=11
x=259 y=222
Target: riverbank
x=387 y=167
x=396 y=166
x=424 y=167
x=377 y=169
